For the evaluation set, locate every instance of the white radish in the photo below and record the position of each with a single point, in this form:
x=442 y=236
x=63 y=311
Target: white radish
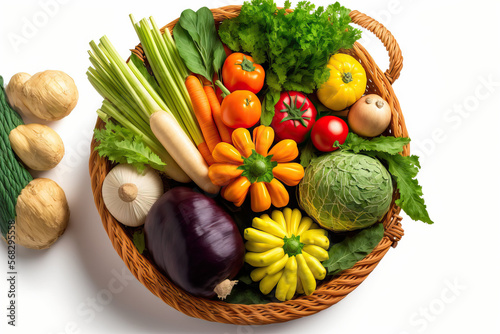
x=181 y=148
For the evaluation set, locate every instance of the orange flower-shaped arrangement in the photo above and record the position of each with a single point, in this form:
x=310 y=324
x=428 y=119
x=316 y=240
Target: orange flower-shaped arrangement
x=253 y=166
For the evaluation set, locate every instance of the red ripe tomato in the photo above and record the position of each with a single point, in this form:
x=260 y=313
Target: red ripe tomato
x=240 y=72
x=294 y=116
x=326 y=131
x=240 y=109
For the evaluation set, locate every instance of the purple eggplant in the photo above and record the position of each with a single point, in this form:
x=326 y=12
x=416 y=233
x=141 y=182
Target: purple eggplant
x=194 y=241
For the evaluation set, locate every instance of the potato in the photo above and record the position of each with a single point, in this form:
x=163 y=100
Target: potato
x=49 y=95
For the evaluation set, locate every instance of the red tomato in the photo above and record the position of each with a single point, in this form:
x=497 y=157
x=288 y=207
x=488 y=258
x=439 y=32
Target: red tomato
x=326 y=131
x=240 y=109
x=240 y=72
x=294 y=116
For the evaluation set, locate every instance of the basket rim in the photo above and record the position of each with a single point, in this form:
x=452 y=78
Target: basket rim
x=328 y=292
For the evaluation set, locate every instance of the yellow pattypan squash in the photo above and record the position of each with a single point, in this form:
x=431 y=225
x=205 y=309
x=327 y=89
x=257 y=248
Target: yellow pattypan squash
x=347 y=82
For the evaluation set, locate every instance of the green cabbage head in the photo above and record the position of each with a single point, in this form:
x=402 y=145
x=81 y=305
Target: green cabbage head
x=345 y=191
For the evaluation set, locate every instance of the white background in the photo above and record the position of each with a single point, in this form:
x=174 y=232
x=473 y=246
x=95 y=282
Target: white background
x=440 y=279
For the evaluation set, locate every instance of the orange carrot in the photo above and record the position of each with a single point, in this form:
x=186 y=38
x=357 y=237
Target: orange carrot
x=224 y=131
x=202 y=111
x=205 y=152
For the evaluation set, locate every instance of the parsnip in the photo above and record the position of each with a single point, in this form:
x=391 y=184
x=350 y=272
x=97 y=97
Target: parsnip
x=181 y=148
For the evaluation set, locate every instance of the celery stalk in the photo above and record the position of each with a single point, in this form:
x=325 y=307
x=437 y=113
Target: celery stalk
x=170 y=72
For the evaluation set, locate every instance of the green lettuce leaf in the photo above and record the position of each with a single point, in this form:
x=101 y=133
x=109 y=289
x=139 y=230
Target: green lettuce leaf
x=345 y=254
x=120 y=145
x=405 y=170
x=391 y=145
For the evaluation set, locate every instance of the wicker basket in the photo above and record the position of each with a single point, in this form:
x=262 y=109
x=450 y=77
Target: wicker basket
x=328 y=292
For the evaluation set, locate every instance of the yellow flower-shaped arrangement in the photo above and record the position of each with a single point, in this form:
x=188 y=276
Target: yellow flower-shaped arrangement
x=255 y=167
x=287 y=250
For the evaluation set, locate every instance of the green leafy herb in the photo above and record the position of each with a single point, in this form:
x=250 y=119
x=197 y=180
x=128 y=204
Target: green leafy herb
x=403 y=169
x=391 y=145
x=294 y=46
x=139 y=241
x=121 y=145
x=307 y=154
x=353 y=248
x=198 y=43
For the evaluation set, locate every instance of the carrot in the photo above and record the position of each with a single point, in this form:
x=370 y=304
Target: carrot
x=202 y=110
x=205 y=152
x=224 y=131
x=177 y=143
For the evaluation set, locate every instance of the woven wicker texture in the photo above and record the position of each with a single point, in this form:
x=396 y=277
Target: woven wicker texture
x=328 y=292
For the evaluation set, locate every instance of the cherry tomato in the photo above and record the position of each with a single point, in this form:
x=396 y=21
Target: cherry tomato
x=294 y=116
x=240 y=109
x=326 y=131
x=240 y=72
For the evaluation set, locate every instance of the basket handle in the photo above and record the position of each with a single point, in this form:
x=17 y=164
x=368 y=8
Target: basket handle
x=385 y=36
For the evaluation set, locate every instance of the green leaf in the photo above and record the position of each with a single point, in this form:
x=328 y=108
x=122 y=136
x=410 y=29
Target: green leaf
x=139 y=241
x=247 y=295
x=198 y=43
x=121 y=145
x=189 y=21
x=189 y=52
x=219 y=58
x=405 y=170
x=270 y=99
x=144 y=71
x=352 y=249
x=389 y=144
x=307 y=154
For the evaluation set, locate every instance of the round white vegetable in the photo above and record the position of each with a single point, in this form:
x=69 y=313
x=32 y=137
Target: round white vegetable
x=129 y=195
x=369 y=116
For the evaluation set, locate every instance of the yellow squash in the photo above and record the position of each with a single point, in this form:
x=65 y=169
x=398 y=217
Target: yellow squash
x=287 y=251
x=347 y=82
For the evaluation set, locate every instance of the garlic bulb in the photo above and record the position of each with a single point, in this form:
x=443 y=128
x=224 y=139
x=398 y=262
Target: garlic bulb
x=129 y=195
